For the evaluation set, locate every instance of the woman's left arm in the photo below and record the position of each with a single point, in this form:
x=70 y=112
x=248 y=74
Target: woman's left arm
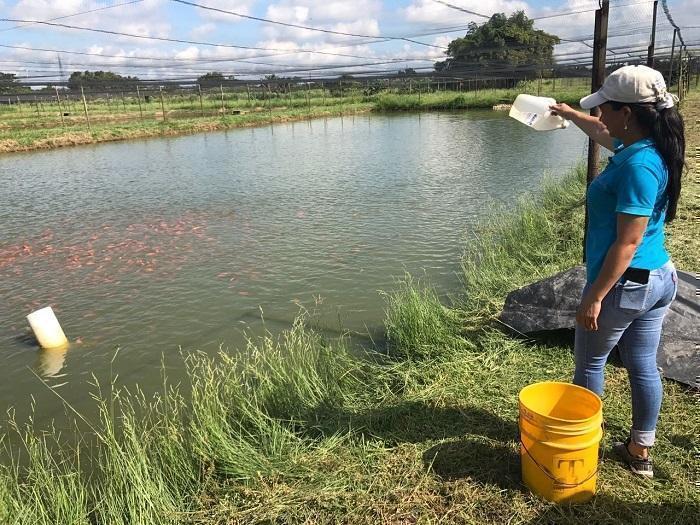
x=630 y=231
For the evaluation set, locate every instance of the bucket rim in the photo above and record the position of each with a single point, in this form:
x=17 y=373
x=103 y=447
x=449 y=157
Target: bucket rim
x=595 y=396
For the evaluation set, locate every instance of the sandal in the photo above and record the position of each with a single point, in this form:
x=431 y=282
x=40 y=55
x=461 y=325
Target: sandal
x=637 y=464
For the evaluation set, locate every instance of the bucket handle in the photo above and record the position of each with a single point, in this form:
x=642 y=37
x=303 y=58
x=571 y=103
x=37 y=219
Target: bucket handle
x=555 y=480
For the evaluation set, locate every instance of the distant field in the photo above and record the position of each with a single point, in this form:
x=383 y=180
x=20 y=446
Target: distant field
x=47 y=123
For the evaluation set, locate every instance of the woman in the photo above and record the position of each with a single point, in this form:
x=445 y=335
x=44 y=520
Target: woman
x=630 y=278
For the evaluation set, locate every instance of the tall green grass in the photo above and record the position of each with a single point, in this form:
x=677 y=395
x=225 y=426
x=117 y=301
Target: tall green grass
x=302 y=429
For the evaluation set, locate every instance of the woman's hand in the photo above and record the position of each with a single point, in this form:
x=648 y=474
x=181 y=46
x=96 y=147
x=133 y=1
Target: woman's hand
x=563 y=110
x=587 y=313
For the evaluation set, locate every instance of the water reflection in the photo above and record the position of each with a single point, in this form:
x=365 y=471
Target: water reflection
x=50 y=361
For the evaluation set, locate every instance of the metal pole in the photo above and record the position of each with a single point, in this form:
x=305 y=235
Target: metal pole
x=680 y=74
x=673 y=50
x=597 y=76
x=223 y=108
x=650 y=52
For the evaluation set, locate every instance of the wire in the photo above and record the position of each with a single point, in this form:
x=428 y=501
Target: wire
x=297 y=26
x=462 y=9
x=74 y=14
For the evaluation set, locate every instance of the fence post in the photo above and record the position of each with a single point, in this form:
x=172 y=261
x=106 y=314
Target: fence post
x=19 y=104
x=247 y=88
x=269 y=101
x=650 y=51
x=38 y=114
x=138 y=97
x=597 y=76
x=308 y=99
x=323 y=91
x=341 y=96
x=121 y=95
x=162 y=104
x=87 y=118
x=201 y=105
x=223 y=107
x=60 y=110
x=670 y=67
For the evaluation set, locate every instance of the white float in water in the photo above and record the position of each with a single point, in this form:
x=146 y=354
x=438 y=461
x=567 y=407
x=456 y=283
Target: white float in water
x=534 y=112
x=46 y=328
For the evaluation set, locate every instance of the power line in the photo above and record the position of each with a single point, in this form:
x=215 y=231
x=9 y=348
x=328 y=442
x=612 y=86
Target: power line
x=462 y=9
x=74 y=14
x=297 y=26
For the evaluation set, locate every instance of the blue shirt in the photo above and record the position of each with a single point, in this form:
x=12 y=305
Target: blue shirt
x=634 y=182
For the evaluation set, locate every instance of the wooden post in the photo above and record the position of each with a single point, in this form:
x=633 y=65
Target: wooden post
x=138 y=97
x=670 y=67
x=19 y=104
x=38 y=114
x=121 y=95
x=162 y=104
x=600 y=42
x=323 y=92
x=269 y=101
x=60 y=111
x=341 y=96
x=201 y=104
x=247 y=87
x=87 y=117
x=650 y=50
x=308 y=99
x=223 y=107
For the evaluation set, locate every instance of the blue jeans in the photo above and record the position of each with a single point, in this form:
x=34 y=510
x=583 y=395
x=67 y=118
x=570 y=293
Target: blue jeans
x=630 y=317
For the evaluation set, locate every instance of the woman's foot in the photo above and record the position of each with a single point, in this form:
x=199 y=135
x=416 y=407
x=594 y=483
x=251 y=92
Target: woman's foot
x=639 y=465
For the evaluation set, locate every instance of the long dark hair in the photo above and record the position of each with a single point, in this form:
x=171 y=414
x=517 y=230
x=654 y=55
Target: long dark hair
x=667 y=130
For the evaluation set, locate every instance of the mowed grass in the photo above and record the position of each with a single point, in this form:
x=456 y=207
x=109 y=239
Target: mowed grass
x=302 y=429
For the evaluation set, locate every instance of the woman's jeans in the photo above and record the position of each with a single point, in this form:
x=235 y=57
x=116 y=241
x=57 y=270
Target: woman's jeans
x=630 y=317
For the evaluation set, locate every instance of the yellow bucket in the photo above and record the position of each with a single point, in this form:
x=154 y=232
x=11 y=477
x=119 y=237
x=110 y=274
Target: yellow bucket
x=560 y=430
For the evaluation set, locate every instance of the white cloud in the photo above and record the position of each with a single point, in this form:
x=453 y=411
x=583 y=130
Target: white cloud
x=203 y=31
x=243 y=7
x=428 y=11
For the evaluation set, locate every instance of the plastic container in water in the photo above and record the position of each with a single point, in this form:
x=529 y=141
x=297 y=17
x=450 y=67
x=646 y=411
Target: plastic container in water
x=534 y=112
x=560 y=430
x=46 y=328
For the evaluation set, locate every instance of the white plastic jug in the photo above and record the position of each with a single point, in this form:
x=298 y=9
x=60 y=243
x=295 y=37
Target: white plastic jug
x=46 y=328
x=534 y=112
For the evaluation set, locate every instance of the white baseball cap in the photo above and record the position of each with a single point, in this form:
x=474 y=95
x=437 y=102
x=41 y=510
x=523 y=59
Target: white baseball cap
x=634 y=85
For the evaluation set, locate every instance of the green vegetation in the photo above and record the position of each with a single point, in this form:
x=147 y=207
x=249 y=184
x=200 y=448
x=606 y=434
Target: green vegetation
x=44 y=123
x=508 y=42
x=300 y=429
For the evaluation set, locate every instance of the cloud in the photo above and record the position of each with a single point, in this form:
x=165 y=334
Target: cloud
x=428 y=11
x=203 y=31
x=243 y=7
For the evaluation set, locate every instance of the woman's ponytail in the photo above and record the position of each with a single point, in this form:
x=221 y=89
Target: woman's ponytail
x=669 y=135
x=667 y=130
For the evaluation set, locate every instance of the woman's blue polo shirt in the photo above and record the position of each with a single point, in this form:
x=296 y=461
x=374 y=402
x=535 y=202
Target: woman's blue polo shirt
x=634 y=182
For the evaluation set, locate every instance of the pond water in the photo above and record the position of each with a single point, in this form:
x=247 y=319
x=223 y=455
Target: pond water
x=178 y=244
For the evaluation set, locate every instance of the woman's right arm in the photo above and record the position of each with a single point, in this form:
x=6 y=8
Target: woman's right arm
x=591 y=126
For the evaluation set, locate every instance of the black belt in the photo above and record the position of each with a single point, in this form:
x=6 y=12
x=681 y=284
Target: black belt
x=637 y=275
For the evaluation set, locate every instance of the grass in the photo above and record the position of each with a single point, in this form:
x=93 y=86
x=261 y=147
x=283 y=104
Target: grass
x=300 y=429
x=40 y=125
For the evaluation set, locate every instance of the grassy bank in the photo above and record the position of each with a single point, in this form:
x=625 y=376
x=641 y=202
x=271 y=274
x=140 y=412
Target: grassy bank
x=45 y=126
x=301 y=429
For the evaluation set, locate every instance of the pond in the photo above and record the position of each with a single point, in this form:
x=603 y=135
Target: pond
x=165 y=246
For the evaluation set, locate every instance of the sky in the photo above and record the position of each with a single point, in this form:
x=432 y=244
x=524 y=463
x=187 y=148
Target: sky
x=32 y=51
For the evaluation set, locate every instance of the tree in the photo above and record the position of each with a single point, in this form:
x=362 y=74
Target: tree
x=503 y=43
x=212 y=79
x=100 y=80
x=10 y=85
